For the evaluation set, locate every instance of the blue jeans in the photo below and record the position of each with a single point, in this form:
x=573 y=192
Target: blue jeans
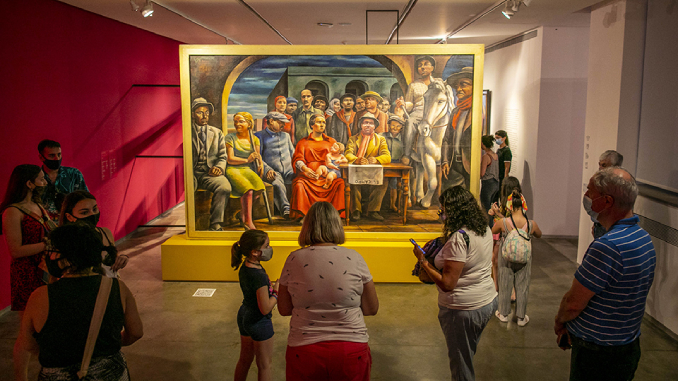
x=462 y=329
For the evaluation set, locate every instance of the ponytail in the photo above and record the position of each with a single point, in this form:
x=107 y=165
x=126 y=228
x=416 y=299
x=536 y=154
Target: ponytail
x=516 y=201
x=236 y=257
x=249 y=241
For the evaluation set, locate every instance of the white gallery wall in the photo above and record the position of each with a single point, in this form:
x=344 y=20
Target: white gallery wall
x=612 y=108
x=657 y=162
x=539 y=97
x=632 y=107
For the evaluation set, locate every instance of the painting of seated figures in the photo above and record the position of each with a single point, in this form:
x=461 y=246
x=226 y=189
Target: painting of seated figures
x=269 y=131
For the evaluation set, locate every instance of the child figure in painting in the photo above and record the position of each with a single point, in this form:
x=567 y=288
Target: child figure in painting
x=259 y=298
x=332 y=161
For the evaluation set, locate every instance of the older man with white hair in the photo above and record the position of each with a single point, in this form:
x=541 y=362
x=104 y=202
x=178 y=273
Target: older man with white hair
x=600 y=316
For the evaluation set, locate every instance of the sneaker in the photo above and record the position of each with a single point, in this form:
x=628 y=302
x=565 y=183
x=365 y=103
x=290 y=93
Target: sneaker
x=523 y=322
x=355 y=216
x=502 y=318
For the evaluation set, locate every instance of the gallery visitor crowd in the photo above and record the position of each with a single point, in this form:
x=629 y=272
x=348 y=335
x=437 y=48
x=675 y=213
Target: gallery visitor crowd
x=77 y=313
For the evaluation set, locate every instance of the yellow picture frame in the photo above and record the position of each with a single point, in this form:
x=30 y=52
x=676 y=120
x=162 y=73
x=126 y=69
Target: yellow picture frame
x=400 y=55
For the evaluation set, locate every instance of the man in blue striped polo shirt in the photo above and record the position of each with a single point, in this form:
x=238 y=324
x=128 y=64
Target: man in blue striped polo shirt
x=602 y=311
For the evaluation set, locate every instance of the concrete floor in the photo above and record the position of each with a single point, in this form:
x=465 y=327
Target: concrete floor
x=189 y=338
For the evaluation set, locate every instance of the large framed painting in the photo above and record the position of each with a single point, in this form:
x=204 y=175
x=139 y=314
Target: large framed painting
x=378 y=131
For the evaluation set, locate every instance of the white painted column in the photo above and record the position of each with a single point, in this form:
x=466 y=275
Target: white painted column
x=616 y=47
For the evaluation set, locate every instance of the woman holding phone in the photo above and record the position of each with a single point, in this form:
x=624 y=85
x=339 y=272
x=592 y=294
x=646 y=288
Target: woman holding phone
x=462 y=273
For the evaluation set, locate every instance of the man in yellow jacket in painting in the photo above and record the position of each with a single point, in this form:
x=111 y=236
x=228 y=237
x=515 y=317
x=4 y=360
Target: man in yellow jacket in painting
x=367 y=147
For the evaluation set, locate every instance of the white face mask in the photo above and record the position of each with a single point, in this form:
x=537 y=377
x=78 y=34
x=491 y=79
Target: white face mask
x=588 y=206
x=587 y=202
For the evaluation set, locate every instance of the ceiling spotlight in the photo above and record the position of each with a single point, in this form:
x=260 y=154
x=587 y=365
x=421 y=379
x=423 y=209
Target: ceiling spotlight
x=507 y=12
x=135 y=6
x=510 y=8
x=326 y=24
x=527 y=2
x=147 y=10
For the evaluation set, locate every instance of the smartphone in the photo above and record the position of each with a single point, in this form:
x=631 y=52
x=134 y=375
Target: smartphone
x=416 y=244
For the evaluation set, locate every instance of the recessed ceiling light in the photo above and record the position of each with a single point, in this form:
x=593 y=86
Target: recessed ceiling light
x=345 y=24
x=326 y=24
x=471 y=15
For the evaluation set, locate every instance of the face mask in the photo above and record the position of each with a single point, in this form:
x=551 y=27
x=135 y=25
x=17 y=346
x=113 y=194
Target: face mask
x=92 y=219
x=498 y=141
x=52 y=164
x=588 y=206
x=39 y=191
x=266 y=254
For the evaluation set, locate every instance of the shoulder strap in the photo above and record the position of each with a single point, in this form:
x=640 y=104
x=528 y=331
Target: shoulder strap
x=103 y=233
x=95 y=324
x=518 y=230
x=43 y=220
x=503 y=221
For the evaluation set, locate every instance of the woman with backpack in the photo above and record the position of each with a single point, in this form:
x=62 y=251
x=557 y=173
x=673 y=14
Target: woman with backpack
x=462 y=272
x=515 y=256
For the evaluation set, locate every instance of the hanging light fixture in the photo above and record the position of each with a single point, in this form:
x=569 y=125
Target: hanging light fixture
x=147 y=10
x=508 y=9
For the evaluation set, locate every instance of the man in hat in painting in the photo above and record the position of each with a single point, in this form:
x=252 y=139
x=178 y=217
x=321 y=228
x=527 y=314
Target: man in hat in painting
x=321 y=103
x=372 y=101
x=413 y=102
x=455 y=155
x=276 y=152
x=339 y=126
x=292 y=104
x=368 y=147
x=209 y=160
x=394 y=142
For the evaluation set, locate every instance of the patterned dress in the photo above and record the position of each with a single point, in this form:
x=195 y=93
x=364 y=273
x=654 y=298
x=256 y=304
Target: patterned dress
x=25 y=275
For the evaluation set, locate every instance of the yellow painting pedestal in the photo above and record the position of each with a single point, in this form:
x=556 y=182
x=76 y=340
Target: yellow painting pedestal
x=390 y=260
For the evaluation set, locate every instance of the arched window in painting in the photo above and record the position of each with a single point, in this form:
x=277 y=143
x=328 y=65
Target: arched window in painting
x=317 y=87
x=395 y=93
x=356 y=88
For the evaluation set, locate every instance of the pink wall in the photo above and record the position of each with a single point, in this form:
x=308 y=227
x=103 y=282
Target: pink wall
x=105 y=91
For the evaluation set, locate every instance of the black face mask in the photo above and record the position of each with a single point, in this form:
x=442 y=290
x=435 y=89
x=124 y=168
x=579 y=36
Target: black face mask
x=52 y=164
x=38 y=191
x=92 y=219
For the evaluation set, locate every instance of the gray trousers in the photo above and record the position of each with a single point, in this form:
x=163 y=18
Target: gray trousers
x=220 y=188
x=513 y=275
x=462 y=331
x=377 y=193
x=279 y=193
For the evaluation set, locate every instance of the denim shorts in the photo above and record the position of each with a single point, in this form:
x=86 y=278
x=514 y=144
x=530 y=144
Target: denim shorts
x=258 y=329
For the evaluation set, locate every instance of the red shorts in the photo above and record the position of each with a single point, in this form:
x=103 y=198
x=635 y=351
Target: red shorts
x=329 y=360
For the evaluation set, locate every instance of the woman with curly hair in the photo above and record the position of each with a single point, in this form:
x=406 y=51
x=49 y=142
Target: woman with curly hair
x=462 y=272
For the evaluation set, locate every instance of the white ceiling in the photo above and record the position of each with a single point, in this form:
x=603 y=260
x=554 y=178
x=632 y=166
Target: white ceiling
x=427 y=23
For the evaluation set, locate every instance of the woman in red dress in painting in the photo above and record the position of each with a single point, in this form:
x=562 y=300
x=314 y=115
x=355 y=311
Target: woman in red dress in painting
x=24 y=224
x=307 y=187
